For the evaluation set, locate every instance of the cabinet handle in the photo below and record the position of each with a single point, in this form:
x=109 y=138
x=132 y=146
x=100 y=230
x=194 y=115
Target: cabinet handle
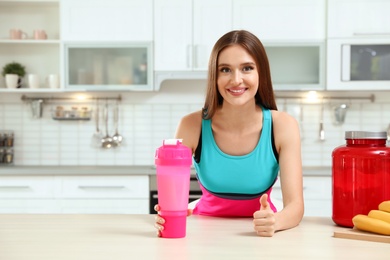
x=101 y=187
x=14 y=187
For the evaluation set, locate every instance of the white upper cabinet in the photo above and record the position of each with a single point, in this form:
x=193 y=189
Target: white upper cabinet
x=107 y=20
x=185 y=32
x=285 y=20
x=358 y=18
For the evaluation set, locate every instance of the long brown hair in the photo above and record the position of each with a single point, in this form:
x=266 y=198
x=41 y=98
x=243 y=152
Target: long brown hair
x=265 y=94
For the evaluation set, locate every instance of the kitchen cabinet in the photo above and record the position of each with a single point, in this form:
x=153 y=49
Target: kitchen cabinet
x=297 y=66
x=39 y=56
x=107 y=20
x=74 y=194
x=108 y=66
x=186 y=31
x=317 y=194
x=358 y=18
x=284 y=20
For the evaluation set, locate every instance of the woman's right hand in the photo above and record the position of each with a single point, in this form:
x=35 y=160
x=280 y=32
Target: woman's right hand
x=159 y=225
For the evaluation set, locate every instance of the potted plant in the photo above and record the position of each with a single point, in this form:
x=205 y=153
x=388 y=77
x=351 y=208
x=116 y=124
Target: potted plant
x=13 y=73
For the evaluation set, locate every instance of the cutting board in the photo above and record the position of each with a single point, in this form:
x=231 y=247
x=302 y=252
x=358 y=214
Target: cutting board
x=361 y=235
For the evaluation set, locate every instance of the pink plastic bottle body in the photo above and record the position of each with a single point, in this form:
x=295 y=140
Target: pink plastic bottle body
x=173 y=168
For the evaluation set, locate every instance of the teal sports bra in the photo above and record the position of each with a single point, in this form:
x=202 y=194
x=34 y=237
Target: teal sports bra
x=237 y=177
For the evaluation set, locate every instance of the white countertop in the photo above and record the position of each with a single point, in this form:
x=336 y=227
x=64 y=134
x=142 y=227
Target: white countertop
x=95 y=237
x=115 y=170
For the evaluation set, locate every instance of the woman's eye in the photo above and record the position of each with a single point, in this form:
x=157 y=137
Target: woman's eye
x=248 y=68
x=224 y=70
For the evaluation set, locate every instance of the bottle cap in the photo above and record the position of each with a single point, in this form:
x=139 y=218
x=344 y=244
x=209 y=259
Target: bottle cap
x=173 y=152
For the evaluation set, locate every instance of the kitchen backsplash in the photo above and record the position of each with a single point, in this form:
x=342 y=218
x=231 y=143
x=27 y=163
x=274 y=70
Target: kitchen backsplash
x=145 y=119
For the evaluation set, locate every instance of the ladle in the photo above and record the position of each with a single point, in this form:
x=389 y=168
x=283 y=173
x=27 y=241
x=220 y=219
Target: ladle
x=98 y=135
x=322 y=131
x=107 y=140
x=116 y=138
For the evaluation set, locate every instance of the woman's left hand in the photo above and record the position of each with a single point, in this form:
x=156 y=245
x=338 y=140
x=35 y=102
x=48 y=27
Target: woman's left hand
x=264 y=219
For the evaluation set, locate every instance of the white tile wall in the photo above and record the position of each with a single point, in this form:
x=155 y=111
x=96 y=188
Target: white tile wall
x=147 y=118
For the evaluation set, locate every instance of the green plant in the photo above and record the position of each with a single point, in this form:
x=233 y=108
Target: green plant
x=14 y=68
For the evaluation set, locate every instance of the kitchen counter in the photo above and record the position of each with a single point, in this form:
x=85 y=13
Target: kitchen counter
x=115 y=170
x=133 y=237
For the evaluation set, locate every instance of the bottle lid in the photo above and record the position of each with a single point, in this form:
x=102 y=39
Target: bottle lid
x=365 y=135
x=173 y=152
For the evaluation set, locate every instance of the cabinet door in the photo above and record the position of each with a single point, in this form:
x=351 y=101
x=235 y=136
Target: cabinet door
x=107 y=20
x=281 y=19
x=354 y=18
x=317 y=194
x=173 y=35
x=212 y=19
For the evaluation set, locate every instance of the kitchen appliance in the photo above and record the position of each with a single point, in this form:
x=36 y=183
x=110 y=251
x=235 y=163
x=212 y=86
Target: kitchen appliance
x=360 y=175
x=358 y=64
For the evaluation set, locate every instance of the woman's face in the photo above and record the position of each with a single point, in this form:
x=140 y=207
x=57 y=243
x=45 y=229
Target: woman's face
x=238 y=77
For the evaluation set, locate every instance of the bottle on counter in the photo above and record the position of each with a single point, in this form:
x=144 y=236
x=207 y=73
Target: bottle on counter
x=360 y=175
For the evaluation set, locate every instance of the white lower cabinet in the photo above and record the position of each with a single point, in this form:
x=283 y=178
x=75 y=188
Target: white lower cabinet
x=317 y=194
x=75 y=194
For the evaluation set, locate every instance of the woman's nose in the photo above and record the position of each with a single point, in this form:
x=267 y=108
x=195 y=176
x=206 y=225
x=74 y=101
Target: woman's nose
x=236 y=77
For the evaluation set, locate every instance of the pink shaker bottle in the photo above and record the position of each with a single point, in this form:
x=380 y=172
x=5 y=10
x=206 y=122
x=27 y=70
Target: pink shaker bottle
x=173 y=164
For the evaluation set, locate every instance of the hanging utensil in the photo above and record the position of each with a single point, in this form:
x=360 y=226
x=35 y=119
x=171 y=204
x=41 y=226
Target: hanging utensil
x=107 y=140
x=116 y=138
x=322 y=130
x=98 y=135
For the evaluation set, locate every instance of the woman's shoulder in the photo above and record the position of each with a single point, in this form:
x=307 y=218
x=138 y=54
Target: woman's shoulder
x=189 y=129
x=192 y=119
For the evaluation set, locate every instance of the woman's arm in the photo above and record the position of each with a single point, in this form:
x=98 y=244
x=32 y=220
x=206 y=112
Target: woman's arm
x=288 y=142
x=288 y=145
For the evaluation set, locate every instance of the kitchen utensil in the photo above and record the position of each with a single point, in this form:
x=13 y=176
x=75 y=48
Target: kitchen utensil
x=98 y=135
x=116 y=138
x=361 y=235
x=339 y=113
x=322 y=131
x=37 y=108
x=107 y=140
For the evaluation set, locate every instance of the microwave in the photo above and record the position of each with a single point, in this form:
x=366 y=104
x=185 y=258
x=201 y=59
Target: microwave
x=358 y=64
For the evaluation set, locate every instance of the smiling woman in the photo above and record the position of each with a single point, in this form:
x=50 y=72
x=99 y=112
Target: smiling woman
x=241 y=143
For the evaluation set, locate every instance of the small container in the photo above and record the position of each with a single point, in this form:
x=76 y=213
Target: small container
x=9 y=156
x=59 y=111
x=9 y=139
x=360 y=175
x=2 y=155
x=2 y=140
x=74 y=112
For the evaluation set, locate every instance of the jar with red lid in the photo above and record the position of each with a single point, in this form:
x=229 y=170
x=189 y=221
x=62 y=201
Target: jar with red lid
x=360 y=175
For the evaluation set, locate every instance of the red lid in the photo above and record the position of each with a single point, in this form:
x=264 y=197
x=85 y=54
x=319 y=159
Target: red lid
x=173 y=152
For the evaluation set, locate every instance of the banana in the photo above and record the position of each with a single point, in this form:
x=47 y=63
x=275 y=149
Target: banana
x=379 y=214
x=385 y=206
x=365 y=223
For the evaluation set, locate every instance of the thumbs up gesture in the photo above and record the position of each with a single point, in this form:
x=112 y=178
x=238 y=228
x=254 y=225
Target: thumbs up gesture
x=264 y=219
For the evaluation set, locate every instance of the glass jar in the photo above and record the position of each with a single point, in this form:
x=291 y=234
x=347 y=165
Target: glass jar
x=9 y=139
x=360 y=175
x=9 y=156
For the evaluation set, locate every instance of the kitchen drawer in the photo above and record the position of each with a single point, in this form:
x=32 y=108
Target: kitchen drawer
x=26 y=187
x=105 y=206
x=29 y=206
x=104 y=187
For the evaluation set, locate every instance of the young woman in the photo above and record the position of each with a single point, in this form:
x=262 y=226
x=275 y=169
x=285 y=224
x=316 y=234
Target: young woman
x=240 y=142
